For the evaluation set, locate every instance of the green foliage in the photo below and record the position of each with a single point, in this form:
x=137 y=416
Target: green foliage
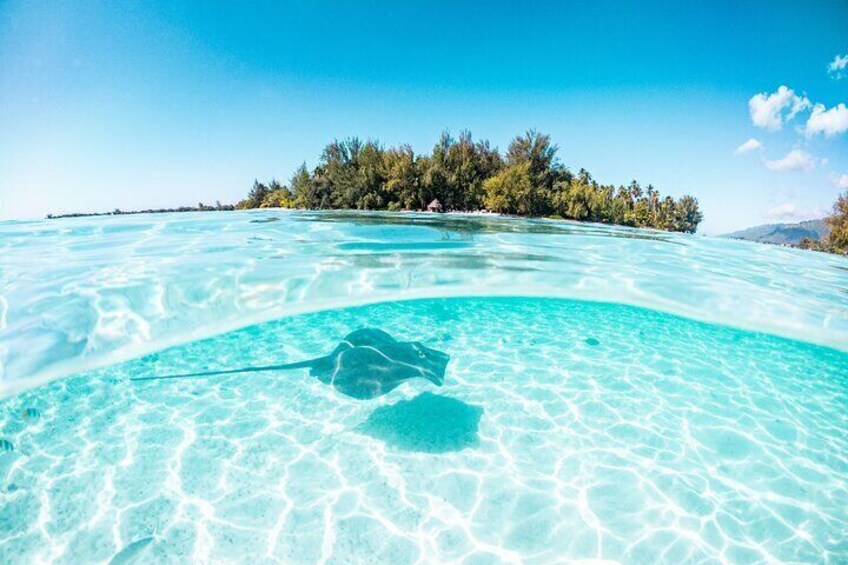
x=812 y=244
x=468 y=175
x=403 y=182
x=837 y=240
x=537 y=150
x=255 y=197
x=302 y=188
x=687 y=215
x=278 y=196
x=455 y=172
x=511 y=191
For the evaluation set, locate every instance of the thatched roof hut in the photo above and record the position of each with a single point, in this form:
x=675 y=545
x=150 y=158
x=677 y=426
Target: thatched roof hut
x=434 y=206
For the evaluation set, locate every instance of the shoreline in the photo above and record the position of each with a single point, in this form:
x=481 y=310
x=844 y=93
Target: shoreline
x=233 y=208
x=118 y=212
x=484 y=213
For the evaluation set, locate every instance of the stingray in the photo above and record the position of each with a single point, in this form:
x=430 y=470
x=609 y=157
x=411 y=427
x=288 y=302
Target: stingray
x=367 y=363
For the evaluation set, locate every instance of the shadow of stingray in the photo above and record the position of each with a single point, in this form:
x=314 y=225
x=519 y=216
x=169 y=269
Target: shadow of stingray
x=428 y=423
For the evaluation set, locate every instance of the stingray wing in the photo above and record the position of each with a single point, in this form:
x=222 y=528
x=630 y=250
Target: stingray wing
x=369 y=337
x=366 y=372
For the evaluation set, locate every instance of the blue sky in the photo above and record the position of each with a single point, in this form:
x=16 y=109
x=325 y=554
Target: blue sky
x=137 y=104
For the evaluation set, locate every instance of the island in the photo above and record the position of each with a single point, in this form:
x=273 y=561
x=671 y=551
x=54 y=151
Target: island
x=464 y=175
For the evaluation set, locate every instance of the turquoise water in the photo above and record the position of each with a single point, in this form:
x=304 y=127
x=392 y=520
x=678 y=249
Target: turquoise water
x=684 y=426
x=81 y=293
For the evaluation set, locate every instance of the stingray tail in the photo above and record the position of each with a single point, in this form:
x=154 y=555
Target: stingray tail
x=286 y=367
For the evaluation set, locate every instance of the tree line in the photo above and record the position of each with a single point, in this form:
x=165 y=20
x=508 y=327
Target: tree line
x=201 y=207
x=467 y=175
x=836 y=241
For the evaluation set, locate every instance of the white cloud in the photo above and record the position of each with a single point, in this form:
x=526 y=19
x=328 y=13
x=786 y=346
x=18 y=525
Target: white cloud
x=769 y=111
x=782 y=212
x=749 y=145
x=838 y=66
x=795 y=160
x=790 y=213
x=829 y=122
x=839 y=181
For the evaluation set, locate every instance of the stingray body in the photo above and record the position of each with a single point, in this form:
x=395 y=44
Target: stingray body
x=367 y=363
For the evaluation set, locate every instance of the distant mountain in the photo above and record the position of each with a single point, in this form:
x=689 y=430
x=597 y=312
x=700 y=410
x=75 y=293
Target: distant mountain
x=782 y=234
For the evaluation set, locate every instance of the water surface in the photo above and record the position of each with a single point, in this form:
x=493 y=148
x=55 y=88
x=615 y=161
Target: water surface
x=80 y=293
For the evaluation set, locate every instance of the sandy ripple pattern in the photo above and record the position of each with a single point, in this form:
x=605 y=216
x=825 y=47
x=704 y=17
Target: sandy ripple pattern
x=565 y=431
x=82 y=293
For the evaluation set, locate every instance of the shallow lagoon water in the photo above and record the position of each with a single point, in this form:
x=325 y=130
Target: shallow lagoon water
x=565 y=430
x=668 y=440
